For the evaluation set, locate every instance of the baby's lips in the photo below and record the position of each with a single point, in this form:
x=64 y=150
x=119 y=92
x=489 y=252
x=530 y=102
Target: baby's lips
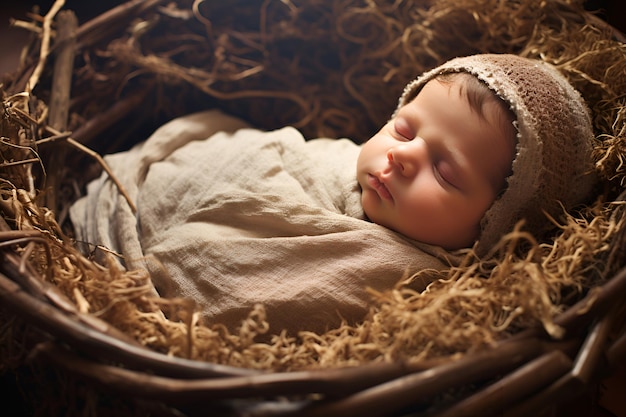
x=380 y=187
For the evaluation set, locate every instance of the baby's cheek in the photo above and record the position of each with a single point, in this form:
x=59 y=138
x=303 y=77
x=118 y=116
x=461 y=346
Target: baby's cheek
x=366 y=203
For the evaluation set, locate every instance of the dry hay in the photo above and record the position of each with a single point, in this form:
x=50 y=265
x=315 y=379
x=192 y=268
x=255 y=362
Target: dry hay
x=331 y=69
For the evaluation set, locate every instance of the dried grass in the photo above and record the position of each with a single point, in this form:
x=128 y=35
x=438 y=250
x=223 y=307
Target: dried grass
x=332 y=69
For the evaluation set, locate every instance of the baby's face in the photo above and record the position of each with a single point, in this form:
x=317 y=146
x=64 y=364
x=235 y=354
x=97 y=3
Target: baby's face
x=433 y=170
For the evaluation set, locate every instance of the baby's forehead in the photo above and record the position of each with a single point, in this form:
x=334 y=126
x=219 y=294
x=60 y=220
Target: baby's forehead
x=484 y=101
x=477 y=93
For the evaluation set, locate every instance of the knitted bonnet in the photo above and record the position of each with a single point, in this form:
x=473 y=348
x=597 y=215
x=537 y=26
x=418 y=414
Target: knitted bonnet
x=553 y=167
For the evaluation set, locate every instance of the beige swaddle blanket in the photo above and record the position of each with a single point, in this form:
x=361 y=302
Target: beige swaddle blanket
x=231 y=216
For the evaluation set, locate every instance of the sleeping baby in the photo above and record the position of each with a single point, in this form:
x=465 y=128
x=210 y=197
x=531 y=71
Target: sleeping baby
x=230 y=216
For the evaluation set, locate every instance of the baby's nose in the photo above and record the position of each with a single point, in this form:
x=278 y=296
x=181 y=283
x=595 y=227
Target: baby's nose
x=404 y=158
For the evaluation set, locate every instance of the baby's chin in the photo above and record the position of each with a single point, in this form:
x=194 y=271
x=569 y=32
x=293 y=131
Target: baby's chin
x=453 y=243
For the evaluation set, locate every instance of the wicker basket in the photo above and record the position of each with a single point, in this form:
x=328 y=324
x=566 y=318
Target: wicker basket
x=63 y=355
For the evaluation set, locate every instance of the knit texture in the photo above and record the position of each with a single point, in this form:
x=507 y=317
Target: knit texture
x=553 y=167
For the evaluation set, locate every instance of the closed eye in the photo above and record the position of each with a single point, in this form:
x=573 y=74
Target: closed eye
x=445 y=174
x=402 y=128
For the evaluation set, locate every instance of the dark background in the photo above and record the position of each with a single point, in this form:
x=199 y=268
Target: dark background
x=11 y=39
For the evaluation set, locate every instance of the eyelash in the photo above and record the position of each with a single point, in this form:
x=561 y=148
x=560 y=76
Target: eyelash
x=407 y=135
x=440 y=177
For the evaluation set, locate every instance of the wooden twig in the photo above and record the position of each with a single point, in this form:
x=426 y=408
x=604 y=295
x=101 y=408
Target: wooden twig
x=17 y=237
x=63 y=69
x=25 y=25
x=587 y=366
x=27 y=294
x=108 y=344
x=616 y=354
x=101 y=26
x=45 y=45
x=513 y=387
x=348 y=386
x=394 y=396
x=97 y=124
x=22 y=271
x=102 y=163
x=106 y=167
x=22 y=162
x=53 y=138
x=59 y=107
